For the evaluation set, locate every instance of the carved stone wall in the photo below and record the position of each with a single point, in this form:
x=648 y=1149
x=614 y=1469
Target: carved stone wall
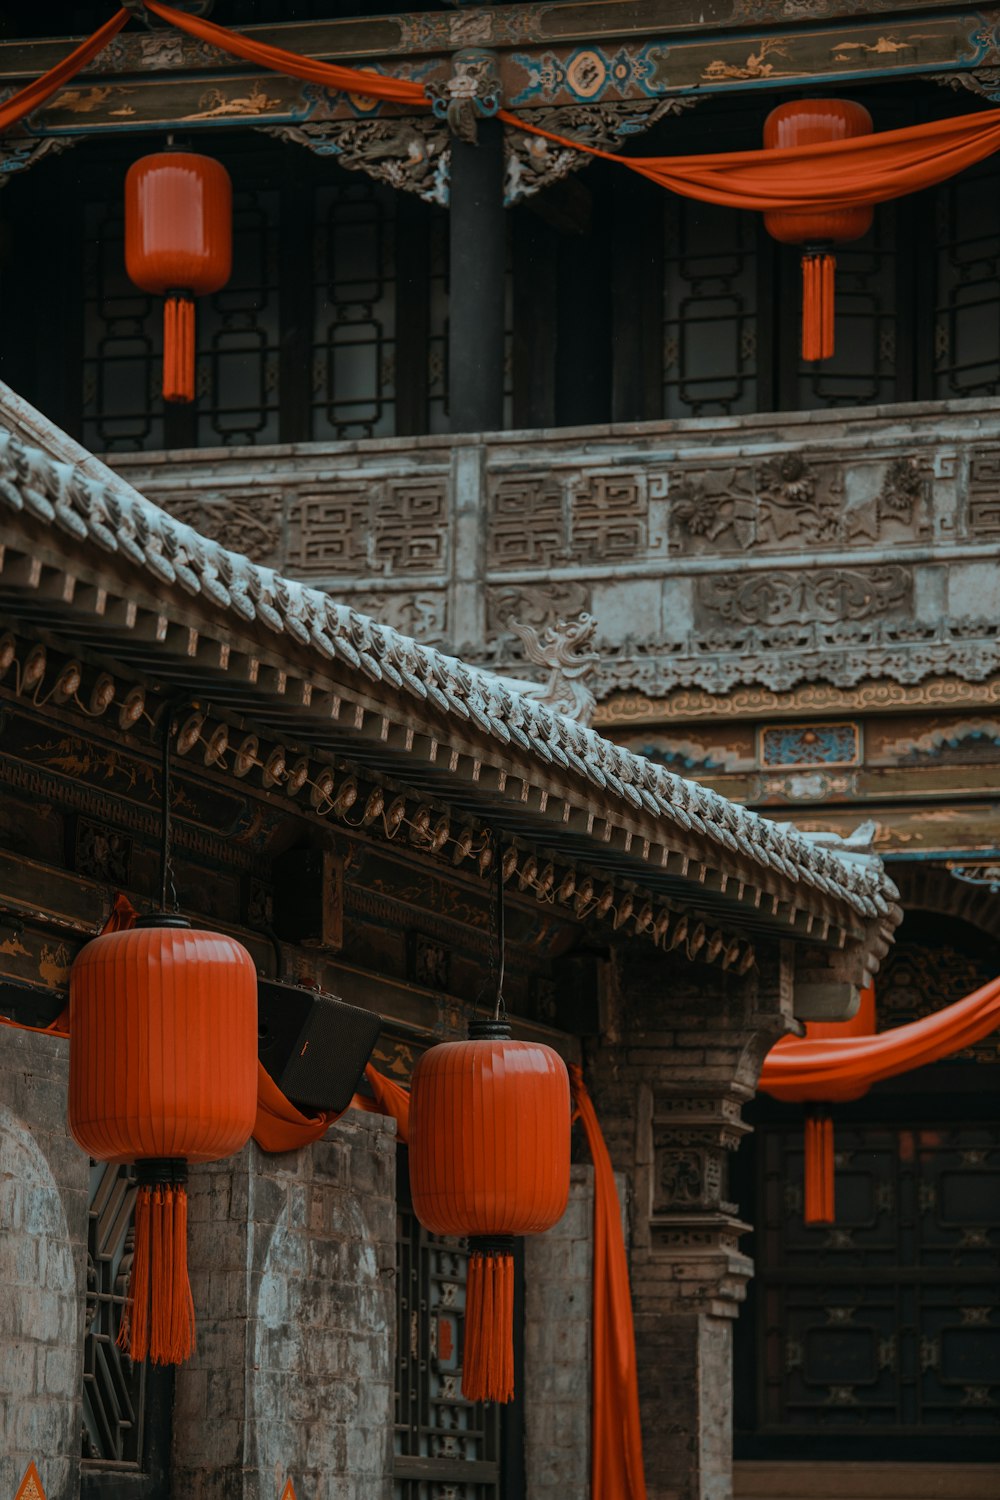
x=675 y=1064
x=720 y=555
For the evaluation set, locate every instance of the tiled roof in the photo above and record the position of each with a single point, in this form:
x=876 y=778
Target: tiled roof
x=111 y=517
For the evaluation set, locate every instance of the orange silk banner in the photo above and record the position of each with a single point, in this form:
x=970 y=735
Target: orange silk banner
x=616 y=1468
x=834 y=174
x=292 y=64
x=833 y=1069
x=33 y=94
x=281 y=1127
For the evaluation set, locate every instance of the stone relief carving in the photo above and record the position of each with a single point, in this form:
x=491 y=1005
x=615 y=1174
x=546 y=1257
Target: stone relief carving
x=375 y=526
x=824 y=594
x=548 y=518
x=533 y=604
x=411 y=154
x=248 y=521
x=847 y=654
x=562 y=650
x=423 y=615
x=789 y=501
x=984 y=492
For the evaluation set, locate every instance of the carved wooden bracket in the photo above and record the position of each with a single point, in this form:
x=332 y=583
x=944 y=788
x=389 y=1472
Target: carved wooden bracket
x=19 y=152
x=470 y=94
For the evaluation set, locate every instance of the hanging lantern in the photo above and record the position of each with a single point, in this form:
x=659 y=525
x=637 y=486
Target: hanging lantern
x=808 y=122
x=489 y=1158
x=818 y=1179
x=178 y=245
x=162 y=1072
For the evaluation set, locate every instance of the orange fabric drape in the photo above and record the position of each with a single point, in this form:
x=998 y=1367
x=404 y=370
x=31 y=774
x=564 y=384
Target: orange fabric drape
x=278 y=60
x=833 y=174
x=801 y=1069
x=616 y=1468
x=281 y=1127
x=35 y=93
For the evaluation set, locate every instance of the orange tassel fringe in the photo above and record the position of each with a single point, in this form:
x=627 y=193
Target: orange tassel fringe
x=488 y=1361
x=158 y=1317
x=818 y=268
x=178 y=348
x=819 y=1168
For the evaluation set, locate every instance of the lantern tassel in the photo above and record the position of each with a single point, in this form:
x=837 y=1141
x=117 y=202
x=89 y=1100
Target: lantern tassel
x=819 y=1168
x=488 y=1360
x=818 y=280
x=158 y=1317
x=178 y=347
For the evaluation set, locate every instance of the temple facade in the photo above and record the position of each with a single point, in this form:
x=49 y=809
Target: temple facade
x=548 y=426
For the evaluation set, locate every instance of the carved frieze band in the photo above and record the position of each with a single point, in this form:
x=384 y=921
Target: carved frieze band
x=856 y=567
x=413 y=153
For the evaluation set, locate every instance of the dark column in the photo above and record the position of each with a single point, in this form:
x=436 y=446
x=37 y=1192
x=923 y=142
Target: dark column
x=583 y=348
x=476 y=283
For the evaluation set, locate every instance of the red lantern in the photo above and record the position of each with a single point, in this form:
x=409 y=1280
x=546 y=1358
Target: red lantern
x=178 y=244
x=162 y=1072
x=808 y=122
x=489 y=1158
x=818 y=1134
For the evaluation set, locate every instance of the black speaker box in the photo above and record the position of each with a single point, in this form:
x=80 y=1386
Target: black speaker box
x=314 y=1046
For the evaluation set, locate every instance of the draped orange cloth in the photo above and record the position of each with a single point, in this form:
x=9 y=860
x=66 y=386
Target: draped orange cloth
x=35 y=93
x=281 y=1127
x=834 y=174
x=863 y=169
x=796 y=1069
x=616 y=1468
x=292 y=64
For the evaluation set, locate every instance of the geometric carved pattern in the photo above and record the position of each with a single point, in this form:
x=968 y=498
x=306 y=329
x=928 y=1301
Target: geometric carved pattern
x=984 y=492
x=550 y=518
x=378 y=526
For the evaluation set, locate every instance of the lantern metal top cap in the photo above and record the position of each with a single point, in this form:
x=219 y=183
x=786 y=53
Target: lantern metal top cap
x=162 y=919
x=489 y=1029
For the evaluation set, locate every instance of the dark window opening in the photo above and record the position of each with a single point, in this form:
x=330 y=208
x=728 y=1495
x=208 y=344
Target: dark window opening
x=624 y=302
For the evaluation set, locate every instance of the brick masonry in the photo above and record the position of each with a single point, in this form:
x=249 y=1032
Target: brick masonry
x=557 y=1292
x=294 y=1256
x=43 y=1246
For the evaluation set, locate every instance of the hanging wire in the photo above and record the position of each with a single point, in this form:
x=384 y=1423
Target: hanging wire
x=166 y=863
x=491 y=991
x=500 y=1010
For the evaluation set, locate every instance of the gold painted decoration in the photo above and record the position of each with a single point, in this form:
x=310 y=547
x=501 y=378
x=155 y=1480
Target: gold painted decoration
x=31 y=1487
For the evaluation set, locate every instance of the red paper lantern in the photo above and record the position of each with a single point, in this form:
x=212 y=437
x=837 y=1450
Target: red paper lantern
x=808 y=122
x=162 y=1072
x=489 y=1158
x=178 y=244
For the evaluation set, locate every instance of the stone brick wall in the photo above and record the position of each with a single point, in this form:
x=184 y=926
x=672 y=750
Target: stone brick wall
x=293 y=1263
x=43 y=1243
x=558 y=1360
x=558 y=1271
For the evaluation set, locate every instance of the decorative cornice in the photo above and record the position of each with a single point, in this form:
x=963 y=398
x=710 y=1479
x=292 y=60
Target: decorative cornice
x=624 y=709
